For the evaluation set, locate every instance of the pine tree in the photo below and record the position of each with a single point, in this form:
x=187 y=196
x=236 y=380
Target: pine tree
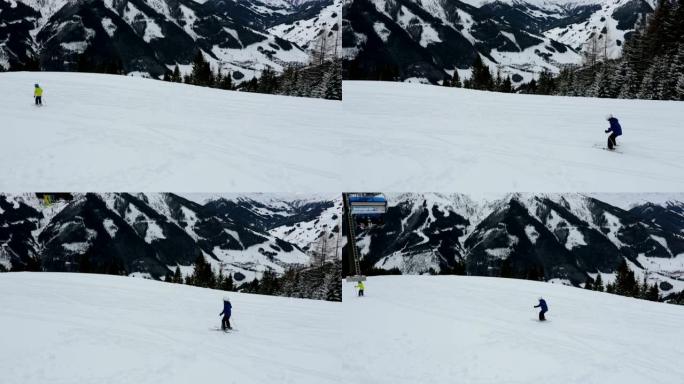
x=602 y=83
x=546 y=85
x=482 y=78
x=227 y=284
x=648 y=85
x=176 y=76
x=202 y=275
x=589 y=283
x=201 y=71
x=644 y=287
x=506 y=268
x=227 y=82
x=177 y=277
x=664 y=82
x=653 y=293
x=456 y=80
x=269 y=284
x=598 y=284
x=624 y=280
x=507 y=85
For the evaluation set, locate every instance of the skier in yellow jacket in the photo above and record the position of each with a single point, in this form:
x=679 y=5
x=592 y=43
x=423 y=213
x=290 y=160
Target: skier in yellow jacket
x=38 y=94
x=361 y=288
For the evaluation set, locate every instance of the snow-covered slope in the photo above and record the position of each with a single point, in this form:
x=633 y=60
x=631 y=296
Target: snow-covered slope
x=110 y=133
x=63 y=328
x=409 y=137
x=115 y=133
x=420 y=329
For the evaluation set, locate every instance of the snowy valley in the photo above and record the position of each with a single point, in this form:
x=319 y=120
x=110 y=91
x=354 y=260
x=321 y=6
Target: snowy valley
x=427 y=40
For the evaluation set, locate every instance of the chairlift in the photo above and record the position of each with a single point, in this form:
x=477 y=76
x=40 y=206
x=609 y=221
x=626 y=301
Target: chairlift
x=364 y=210
x=367 y=209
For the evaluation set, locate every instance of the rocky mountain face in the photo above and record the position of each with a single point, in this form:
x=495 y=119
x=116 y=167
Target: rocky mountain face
x=150 y=37
x=152 y=234
x=427 y=40
x=564 y=237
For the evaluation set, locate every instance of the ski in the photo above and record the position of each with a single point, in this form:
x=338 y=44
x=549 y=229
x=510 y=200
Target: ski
x=607 y=149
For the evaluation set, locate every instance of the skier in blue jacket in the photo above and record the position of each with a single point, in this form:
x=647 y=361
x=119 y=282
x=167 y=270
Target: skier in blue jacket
x=543 y=307
x=227 y=308
x=615 y=129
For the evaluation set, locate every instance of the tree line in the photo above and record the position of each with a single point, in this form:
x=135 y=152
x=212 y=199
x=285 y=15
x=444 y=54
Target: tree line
x=321 y=79
x=320 y=282
x=482 y=79
x=625 y=284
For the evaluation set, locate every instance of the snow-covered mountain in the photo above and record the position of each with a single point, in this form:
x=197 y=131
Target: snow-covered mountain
x=93 y=328
x=427 y=40
x=561 y=237
x=151 y=36
x=152 y=233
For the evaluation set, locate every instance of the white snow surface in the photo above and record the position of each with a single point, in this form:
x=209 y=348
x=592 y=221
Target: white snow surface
x=96 y=328
x=148 y=135
x=436 y=329
x=411 y=137
x=112 y=133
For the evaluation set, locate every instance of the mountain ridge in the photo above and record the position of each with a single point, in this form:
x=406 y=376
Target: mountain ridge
x=152 y=234
x=427 y=40
x=563 y=237
x=149 y=37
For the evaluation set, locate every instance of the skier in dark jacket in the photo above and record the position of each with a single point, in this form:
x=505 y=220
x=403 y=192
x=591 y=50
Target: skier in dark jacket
x=227 y=308
x=615 y=131
x=543 y=307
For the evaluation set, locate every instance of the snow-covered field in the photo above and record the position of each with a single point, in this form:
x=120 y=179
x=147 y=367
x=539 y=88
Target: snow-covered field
x=105 y=133
x=410 y=137
x=78 y=328
x=447 y=329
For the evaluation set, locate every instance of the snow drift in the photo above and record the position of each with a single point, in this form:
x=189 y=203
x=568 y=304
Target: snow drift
x=65 y=328
x=426 y=329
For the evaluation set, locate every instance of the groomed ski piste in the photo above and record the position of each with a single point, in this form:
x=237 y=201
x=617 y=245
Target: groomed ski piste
x=99 y=133
x=457 y=329
x=79 y=328
x=423 y=138
x=102 y=133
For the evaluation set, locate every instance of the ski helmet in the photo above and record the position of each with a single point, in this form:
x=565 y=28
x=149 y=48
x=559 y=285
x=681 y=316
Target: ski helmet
x=609 y=116
x=226 y=298
x=36 y=85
